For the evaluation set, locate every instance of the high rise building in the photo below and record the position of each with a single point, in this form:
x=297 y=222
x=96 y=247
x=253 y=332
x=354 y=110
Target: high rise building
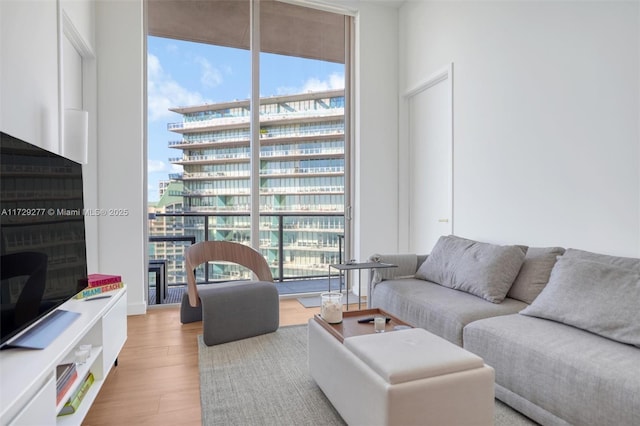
x=302 y=159
x=168 y=226
x=162 y=187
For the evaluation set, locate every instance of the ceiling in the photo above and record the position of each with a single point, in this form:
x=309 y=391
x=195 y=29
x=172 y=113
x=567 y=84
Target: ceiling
x=284 y=28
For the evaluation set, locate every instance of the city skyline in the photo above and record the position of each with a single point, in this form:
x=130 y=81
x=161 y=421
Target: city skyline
x=181 y=74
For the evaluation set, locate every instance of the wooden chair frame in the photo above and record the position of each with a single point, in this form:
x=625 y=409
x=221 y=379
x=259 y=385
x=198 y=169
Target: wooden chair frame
x=224 y=251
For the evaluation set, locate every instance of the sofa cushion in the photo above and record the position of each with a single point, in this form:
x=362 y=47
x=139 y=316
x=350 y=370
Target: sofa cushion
x=593 y=296
x=535 y=272
x=563 y=370
x=440 y=310
x=624 y=262
x=483 y=269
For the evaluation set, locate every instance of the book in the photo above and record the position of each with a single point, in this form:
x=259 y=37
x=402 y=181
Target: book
x=73 y=403
x=94 y=291
x=61 y=392
x=63 y=374
x=96 y=280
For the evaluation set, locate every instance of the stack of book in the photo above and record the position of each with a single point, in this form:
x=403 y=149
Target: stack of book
x=74 y=401
x=100 y=283
x=66 y=374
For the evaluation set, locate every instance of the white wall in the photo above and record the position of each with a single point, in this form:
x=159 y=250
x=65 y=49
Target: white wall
x=32 y=88
x=29 y=70
x=546 y=108
x=376 y=152
x=121 y=154
x=111 y=33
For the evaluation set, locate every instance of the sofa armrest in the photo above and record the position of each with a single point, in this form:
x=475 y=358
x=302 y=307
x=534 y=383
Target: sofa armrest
x=407 y=266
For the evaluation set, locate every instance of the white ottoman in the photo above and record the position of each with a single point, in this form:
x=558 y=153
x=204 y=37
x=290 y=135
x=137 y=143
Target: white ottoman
x=408 y=377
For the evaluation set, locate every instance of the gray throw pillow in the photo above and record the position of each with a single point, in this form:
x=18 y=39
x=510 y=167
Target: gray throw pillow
x=593 y=296
x=482 y=269
x=632 y=263
x=535 y=272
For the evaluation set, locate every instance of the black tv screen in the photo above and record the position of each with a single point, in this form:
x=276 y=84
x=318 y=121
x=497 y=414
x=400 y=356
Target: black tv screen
x=42 y=234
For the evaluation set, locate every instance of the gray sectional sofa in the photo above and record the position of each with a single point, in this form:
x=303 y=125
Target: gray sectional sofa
x=560 y=327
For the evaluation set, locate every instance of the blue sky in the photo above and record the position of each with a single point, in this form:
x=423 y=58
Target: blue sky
x=181 y=73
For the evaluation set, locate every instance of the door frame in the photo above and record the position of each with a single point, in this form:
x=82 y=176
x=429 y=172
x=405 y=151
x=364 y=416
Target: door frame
x=406 y=166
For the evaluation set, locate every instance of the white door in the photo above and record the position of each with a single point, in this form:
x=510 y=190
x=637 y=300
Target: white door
x=430 y=163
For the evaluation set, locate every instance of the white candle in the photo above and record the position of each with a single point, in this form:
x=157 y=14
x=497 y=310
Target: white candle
x=331 y=308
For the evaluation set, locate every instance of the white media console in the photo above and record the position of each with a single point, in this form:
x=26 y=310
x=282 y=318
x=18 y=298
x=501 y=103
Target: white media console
x=28 y=376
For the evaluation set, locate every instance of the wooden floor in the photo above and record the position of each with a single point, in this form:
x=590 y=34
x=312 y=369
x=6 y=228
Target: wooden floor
x=156 y=381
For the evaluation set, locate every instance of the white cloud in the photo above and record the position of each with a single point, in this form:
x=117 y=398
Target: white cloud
x=210 y=76
x=287 y=90
x=335 y=81
x=172 y=48
x=156 y=166
x=163 y=92
x=176 y=168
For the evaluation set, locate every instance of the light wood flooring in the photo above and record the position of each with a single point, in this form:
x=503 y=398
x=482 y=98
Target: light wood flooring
x=156 y=381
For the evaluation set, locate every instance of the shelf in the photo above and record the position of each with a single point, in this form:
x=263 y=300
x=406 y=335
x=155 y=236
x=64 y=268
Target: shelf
x=82 y=370
x=27 y=389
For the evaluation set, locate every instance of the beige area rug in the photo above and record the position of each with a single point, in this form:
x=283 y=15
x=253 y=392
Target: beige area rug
x=264 y=380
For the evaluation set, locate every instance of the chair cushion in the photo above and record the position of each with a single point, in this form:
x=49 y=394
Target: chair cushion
x=234 y=311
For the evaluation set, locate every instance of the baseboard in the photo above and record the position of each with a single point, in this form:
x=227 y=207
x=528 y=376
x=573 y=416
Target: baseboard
x=138 y=308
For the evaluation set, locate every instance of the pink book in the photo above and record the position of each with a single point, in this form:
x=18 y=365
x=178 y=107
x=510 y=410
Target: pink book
x=96 y=280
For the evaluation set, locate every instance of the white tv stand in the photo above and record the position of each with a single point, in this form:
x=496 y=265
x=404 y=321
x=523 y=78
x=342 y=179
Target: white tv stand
x=28 y=376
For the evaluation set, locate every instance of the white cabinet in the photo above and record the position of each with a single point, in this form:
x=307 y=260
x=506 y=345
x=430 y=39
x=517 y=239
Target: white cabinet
x=27 y=376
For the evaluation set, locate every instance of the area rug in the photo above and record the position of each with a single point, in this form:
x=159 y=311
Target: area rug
x=264 y=380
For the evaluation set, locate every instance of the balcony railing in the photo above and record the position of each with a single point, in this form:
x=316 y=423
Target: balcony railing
x=316 y=152
x=274 y=133
x=264 y=118
x=337 y=170
x=296 y=245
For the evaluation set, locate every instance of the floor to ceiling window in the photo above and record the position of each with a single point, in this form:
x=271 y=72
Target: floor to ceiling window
x=200 y=158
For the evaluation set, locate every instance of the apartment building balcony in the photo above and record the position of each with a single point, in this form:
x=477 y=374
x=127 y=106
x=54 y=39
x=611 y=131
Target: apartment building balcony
x=217 y=191
x=303 y=171
x=298 y=190
x=205 y=159
x=220 y=142
x=299 y=154
x=221 y=175
x=238 y=122
x=243 y=209
x=270 y=136
x=289 y=154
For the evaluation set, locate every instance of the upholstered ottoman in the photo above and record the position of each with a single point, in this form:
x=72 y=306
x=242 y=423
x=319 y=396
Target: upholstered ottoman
x=407 y=377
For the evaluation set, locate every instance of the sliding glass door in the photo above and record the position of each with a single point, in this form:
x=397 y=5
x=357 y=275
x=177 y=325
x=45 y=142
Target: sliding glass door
x=302 y=138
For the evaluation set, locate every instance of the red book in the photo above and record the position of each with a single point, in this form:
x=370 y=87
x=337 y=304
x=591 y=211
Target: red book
x=96 y=280
x=66 y=386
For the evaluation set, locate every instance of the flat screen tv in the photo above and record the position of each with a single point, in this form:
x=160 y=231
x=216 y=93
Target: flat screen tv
x=42 y=234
